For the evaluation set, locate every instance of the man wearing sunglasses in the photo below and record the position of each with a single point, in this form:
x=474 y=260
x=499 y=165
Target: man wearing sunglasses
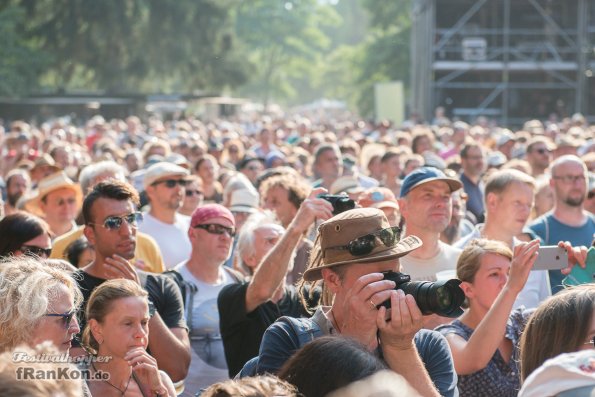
x=539 y=154
x=111 y=223
x=165 y=185
x=351 y=251
x=212 y=231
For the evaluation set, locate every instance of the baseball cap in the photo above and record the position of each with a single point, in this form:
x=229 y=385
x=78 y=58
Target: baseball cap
x=566 y=375
x=427 y=174
x=342 y=229
x=160 y=170
x=207 y=212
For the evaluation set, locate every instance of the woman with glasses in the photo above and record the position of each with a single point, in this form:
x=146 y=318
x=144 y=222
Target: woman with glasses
x=564 y=323
x=37 y=303
x=484 y=340
x=118 y=317
x=24 y=234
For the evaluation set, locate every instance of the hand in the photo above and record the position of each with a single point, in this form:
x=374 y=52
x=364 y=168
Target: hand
x=118 y=267
x=359 y=311
x=140 y=264
x=146 y=370
x=311 y=209
x=523 y=259
x=575 y=255
x=405 y=321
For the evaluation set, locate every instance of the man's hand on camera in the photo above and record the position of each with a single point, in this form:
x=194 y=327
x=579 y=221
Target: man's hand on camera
x=405 y=320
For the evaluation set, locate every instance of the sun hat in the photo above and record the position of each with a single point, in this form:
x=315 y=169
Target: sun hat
x=349 y=225
x=566 y=375
x=244 y=200
x=161 y=170
x=55 y=181
x=345 y=184
x=427 y=174
x=45 y=160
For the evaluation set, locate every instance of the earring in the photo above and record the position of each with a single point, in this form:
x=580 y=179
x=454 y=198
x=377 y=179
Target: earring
x=100 y=341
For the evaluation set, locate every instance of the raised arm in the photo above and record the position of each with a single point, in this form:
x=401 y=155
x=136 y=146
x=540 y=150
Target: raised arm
x=270 y=273
x=475 y=354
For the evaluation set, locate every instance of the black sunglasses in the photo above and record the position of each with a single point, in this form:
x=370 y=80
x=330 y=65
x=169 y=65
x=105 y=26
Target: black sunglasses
x=32 y=250
x=171 y=183
x=66 y=317
x=365 y=244
x=115 y=222
x=213 y=228
x=190 y=193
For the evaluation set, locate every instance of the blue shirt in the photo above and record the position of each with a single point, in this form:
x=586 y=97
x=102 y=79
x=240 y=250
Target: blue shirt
x=475 y=200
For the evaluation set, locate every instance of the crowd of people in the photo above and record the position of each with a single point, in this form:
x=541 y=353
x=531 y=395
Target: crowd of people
x=257 y=256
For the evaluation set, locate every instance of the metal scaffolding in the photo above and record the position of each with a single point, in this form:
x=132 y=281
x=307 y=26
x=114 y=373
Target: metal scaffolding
x=510 y=60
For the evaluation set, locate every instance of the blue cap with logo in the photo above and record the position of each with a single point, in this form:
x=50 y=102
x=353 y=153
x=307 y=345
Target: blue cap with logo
x=427 y=174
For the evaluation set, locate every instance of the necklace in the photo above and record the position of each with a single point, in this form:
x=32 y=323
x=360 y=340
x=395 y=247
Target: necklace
x=335 y=321
x=114 y=386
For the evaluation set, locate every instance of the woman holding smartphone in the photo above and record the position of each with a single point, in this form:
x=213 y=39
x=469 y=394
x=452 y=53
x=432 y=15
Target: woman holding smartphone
x=118 y=327
x=484 y=340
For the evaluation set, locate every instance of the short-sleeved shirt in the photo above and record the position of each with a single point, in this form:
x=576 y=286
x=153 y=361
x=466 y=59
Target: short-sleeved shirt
x=551 y=231
x=163 y=292
x=475 y=193
x=498 y=378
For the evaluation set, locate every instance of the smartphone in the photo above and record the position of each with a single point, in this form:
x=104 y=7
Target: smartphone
x=551 y=257
x=578 y=275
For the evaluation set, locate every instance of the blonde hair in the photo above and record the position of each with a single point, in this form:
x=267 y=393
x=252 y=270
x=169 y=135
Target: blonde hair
x=27 y=286
x=100 y=304
x=257 y=386
x=470 y=259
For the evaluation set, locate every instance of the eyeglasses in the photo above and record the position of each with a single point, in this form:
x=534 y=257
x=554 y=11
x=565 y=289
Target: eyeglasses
x=190 y=193
x=66 y=317
x=171 y=183
x=570 y=178
x=213 y=228
x=365 y=244
x=115 y=222
x=542 y=151
x=33 y=250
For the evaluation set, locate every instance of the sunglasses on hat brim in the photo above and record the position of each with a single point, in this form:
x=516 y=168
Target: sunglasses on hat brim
x=364 y=245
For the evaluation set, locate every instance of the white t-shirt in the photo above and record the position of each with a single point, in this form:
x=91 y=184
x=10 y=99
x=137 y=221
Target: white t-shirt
x=426 y=269
x=172 y=239
x=208 y=363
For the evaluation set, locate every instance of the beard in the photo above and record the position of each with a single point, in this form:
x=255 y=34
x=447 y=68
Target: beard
x=12 y=199
x=574 y=201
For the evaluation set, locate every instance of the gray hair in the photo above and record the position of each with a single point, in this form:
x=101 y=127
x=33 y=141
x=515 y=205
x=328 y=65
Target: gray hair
x=90 y=173
x=27 y=286
x=245 y=246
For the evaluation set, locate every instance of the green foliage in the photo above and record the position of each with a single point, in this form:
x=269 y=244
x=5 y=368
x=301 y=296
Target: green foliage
x=21 y=60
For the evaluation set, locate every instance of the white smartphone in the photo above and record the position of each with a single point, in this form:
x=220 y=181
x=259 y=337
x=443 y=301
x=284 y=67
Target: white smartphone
x=551 y=257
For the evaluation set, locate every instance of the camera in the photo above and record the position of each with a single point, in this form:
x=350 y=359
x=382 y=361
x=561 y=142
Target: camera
x=444 y=297
x=340 y=203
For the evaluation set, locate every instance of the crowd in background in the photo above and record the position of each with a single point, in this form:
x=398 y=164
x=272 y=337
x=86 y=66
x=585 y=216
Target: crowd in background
x=219 y=232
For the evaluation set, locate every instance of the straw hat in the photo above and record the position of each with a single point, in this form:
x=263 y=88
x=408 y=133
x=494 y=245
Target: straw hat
x=50 y=183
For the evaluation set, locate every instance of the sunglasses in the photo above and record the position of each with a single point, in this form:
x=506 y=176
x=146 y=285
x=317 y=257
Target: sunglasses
x=66 y=317
x=190 y=193
x=542 y=151
x=32 y=250
x=171 y=183
x=365 y=244
x=213 y=228
x=115 y=222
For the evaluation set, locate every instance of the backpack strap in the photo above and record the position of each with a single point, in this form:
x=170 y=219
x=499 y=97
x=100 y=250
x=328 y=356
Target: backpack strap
x=188 y=291
x=304 y=328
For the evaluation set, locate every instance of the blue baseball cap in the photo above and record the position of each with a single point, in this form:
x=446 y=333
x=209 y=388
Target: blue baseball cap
x=427 y=174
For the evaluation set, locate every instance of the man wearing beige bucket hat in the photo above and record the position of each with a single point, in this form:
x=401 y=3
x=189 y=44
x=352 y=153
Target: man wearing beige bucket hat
x=350 y=252
x=58 y=200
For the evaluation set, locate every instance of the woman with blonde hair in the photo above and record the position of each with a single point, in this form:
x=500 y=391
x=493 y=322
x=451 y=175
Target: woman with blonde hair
x=564 y=323
x=37 y=303
x=484 y=340
x=118 y=326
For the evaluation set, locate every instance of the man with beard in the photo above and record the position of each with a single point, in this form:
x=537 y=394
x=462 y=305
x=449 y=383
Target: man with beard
x=18 y=184
x=568 y=220
x=111 y=222
x=165 y=185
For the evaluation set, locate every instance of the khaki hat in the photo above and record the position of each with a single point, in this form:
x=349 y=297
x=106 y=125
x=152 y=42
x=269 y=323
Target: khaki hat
x=349 y=225
x=50 y=183
x=45 y=160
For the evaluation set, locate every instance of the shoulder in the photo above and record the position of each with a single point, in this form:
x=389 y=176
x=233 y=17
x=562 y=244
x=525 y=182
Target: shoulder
x=60 y=244
x=453 y=328
x=232 y=291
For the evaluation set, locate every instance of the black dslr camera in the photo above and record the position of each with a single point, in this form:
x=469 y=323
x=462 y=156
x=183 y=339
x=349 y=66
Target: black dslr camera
x=340 y=203
x=443 y=297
